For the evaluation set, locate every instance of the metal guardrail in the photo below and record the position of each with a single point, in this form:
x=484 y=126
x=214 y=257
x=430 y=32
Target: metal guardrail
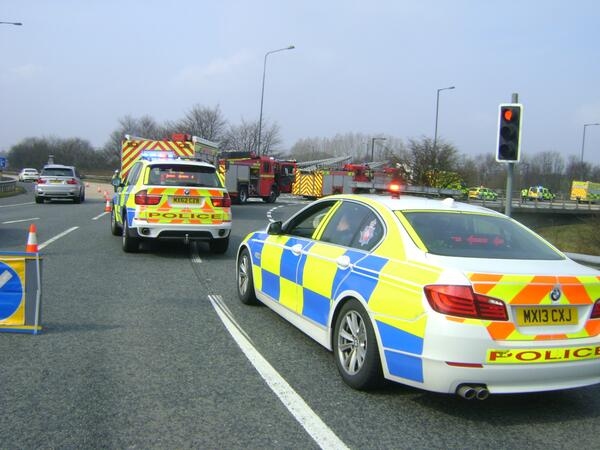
x=8 y=184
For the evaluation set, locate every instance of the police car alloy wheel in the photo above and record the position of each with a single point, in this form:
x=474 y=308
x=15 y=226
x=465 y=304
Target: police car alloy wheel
x=355 y=347
x=245 y=282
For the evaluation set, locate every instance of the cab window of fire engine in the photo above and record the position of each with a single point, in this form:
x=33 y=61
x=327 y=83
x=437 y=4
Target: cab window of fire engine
x=307 y=223
x=353 y=225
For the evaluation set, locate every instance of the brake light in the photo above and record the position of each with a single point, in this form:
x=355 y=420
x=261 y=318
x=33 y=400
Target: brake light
x=143 y=198
x=72 y=181
x=463 y=302
x=596 y=310
x=40 y=181
x=221 y=202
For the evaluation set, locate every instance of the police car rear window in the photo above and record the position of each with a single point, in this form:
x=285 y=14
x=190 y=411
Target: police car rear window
x=177 y=175
x=477 y=236
x=57 y=172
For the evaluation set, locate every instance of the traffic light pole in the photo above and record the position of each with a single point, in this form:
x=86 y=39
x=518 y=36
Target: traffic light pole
x=510 y=170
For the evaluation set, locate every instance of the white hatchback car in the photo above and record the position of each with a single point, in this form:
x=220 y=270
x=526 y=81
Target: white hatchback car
x=28 y=174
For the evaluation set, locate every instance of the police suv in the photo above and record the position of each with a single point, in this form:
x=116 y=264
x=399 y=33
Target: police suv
x=171 y=199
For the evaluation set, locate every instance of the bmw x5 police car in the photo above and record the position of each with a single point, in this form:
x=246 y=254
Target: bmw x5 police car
x=171 y=199
x=439 y=295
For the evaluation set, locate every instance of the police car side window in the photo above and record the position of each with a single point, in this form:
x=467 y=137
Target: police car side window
x=353 y=225
x=133 y=173
x=306 y=224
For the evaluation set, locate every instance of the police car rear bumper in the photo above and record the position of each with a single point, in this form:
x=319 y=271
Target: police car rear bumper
x=144 y=230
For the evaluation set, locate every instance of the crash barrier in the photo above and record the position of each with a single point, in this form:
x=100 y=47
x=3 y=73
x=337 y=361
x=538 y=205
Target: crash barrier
x=20 y=292
x=8 y=185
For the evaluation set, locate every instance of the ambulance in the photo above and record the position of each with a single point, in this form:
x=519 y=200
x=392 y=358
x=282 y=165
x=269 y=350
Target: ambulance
x=165 y=191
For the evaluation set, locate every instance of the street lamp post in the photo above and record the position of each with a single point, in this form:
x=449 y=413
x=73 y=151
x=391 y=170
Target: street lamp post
x=373 y=145
x=583 y=146
x=437 y=105
x=262 y=93
x=11 y=23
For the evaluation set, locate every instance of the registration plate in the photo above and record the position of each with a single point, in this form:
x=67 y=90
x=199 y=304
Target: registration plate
x=187 y=200
x=56 y=181
x=546 y=315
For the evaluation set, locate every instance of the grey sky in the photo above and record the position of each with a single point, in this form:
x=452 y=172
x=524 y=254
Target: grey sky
x=373 y=67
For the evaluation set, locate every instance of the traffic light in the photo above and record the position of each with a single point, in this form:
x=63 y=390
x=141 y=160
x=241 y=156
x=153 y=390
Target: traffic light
x=509 y=132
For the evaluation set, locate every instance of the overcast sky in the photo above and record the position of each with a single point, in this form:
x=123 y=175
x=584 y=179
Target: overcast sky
x=374 y=67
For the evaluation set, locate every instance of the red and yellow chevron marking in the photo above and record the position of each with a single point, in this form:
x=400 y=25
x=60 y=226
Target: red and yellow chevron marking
x=308 y=184
x=535 y=290
x=131 y=151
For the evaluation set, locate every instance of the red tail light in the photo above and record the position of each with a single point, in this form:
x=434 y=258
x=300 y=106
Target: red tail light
x=72 y=181
x=143 y=198
x=40 y=181
x=221 y=202
x=463 y=302
x=596 y=310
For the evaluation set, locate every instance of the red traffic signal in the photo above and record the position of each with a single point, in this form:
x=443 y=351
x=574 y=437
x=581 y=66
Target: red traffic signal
x=509 y=132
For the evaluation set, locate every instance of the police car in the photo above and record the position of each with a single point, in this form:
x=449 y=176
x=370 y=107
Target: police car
x=436 y=294
x=171 y=199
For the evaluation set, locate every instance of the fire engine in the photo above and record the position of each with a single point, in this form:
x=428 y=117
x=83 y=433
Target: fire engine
x=315 y=179
x=246 y=175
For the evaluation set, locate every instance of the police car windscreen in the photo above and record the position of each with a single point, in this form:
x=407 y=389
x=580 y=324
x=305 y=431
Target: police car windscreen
x=178 y=175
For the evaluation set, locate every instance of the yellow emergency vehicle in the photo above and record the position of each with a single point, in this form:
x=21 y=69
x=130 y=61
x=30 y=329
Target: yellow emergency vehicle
x=165 y=197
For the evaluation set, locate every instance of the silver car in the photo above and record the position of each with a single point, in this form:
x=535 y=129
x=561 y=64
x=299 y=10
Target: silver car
x=58 y=181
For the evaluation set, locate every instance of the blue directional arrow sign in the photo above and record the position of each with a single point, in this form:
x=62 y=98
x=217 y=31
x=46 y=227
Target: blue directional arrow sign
x=11 y=291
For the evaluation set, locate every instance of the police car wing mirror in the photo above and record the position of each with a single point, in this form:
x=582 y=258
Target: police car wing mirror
x=274 y=228
x=116 y=182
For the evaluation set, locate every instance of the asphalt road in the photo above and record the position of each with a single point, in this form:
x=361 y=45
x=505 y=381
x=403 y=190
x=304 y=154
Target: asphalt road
x=136 y=353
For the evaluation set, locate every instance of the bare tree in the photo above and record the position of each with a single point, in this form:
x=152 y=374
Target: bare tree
x=145 y=127
x=243 y=137
x=207 y=123
x=423 y=158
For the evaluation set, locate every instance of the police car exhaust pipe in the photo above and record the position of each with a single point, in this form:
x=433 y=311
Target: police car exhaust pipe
x=466 y=391
x=481 y=393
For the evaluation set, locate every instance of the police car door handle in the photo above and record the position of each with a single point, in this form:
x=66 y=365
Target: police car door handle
x=297 y=249
x=343 y=262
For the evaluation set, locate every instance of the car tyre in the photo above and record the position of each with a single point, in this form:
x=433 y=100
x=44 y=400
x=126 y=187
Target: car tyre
x=130 y=244
x=219 y=246
x=39 y=199
x=245 y=280
x=243 y=195
x=355 y=347
x=115 y=228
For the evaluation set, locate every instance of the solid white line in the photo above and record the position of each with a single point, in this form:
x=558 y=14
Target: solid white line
x=58 y=236
x=100 y=215
x=21 y=220
x=310 y=421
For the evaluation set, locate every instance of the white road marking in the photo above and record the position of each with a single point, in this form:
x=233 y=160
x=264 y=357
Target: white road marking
x=58 y=236
x=310 y=421
x=21 y=220
x=5 y=278
x=100 y=215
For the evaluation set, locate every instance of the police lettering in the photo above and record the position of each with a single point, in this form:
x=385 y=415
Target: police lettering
x=200 y=216
x=541 y=355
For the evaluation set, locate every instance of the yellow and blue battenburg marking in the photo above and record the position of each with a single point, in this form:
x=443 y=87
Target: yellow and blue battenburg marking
x=306 y=284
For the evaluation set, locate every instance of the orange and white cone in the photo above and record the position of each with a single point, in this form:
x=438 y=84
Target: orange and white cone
x=32 y=246
x=107 y=208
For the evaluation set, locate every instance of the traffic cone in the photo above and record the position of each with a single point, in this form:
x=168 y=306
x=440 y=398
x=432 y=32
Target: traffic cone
x=107 y=208
x=32 y=246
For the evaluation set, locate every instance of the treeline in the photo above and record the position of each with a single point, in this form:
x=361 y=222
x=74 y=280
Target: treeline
x=417 y=156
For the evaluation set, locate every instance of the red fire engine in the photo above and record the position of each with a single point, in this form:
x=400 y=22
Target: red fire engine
x=247 y=175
